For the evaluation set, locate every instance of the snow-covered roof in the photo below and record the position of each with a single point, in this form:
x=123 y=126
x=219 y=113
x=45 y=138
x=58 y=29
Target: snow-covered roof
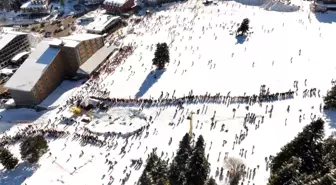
x=101 y=23
x=73 y=40
x=32 y=69
x=19 y=55
x=81 y=37
x=95 y=60
x=115 y=2
x=6 y=71
x=29 y=4
x=85 y=18
x=8 y=36
x=64 y=42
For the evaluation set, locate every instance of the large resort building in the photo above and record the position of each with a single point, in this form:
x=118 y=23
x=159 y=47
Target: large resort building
x=48 y=64
x=11 y=44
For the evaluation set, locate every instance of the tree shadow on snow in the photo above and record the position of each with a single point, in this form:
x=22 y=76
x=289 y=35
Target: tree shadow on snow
x=249 y=2
x=10 y=117
x=61 y=90
x=328 y=17
x=241 y=39
x=150 y=80
x=330 y=116
x=18 y=175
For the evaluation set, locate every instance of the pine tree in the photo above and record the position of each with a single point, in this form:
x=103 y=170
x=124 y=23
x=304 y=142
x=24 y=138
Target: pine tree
x=327 y=179
x=33 y=148
x=145 y=179
x=288 y=174
x=151 y=161
x=178 y=167
x=330 y=99
x=244 y=26
x=7 y=159
x=198 y=166
x=161 y=55
x=211 y=181
x=155 y=172
x=329 y=152
x=307 y=146
x=306 y=160
x=160 y=172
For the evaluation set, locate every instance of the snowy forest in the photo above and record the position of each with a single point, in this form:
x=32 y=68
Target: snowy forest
x=189 y=166
x=309 y=159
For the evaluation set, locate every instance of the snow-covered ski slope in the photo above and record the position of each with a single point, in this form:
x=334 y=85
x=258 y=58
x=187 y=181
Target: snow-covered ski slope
x=282 y=48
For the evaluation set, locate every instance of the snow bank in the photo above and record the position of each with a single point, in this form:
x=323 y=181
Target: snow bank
x=18 y=115
x=281 y=7
x=118 y=120
x=13 y=116
x=251 y=2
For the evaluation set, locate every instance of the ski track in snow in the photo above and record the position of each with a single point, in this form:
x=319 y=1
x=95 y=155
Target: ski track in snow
x=277 y=37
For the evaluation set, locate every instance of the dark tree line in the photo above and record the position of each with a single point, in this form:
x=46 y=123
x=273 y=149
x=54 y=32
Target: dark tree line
x=308 y=159
x=31 y=149
x=189 y=167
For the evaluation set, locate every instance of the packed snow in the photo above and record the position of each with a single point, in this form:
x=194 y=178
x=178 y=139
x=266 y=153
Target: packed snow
x=286 y=53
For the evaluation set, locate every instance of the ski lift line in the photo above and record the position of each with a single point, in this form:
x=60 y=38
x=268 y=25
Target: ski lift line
x=61 y=167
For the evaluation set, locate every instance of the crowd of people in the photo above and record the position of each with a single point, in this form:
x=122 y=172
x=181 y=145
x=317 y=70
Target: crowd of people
x=30 y=131
x=97 y=88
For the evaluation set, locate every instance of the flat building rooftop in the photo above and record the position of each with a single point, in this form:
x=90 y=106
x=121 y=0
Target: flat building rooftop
x=31 y=70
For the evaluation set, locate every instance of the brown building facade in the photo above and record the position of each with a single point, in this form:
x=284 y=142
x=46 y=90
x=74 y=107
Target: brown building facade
x=48 y=64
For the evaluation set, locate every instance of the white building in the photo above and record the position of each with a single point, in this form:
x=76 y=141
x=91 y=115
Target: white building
x=36 y=6
x=102 y=24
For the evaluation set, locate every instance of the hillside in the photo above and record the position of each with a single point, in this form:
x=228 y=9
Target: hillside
x=287 y=57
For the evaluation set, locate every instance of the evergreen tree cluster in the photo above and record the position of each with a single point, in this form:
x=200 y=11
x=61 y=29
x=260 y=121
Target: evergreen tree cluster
x=7 y=159
x=33 y=148
x=161 y=55
x=189 y=166
x=244 y=27
x=330 y=99
x=308 y=159
x=156 y=171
